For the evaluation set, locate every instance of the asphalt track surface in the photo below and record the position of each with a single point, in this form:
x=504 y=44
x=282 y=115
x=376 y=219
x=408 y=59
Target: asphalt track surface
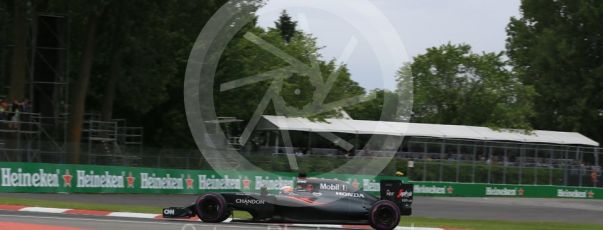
x=512 y=209
x=76 y=222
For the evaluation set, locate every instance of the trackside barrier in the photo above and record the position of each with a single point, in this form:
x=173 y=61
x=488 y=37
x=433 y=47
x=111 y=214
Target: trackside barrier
x=504 y=190
x=69 y=178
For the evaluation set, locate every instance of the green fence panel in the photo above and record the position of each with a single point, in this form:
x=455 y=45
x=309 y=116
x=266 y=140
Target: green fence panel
x=68 y=178
x=504 y=190
x=40 y=177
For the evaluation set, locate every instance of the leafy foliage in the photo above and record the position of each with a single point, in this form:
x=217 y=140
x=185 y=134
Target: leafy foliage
x=556 y=46
x=153 y=43
x=286 y=26
x=379 y=104
x=452 y=85
x=243 y=58
x=552 y=80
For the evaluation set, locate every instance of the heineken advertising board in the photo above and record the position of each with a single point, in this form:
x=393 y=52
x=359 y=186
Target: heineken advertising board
x=500 y=190
x=51 y=178
x=39 y=177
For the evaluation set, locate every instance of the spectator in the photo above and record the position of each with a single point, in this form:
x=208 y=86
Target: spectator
x=3 y=110
x=26 y=106
x=16 y=109
x=593 y=177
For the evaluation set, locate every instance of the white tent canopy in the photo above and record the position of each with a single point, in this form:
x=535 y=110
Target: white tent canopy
x=421 y=130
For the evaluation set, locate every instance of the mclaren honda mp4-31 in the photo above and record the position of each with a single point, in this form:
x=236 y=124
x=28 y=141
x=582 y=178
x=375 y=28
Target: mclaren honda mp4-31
x=310 y=200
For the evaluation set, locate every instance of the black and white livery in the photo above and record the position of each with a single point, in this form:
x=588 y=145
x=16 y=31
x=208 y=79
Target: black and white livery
x=310 y=200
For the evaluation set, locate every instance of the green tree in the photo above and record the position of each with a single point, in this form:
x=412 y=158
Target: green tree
x=166 y=123
x=286 y=26
x=128 y=60
x=19 y=57
x=80 y=89
x=379 y=104
x=128 y=69
x=130 y=54
x=452 y=85
x=556 y=46
x=243 y=59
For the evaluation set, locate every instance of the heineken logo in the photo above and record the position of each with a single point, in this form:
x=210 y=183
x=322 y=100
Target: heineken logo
x=370 y=185
x=271 y=184
x=102 y=180
x=18 y=178
x=155 y=182
x=571 y=194
x=423 y=189
x=493 y=191
x=218 y=183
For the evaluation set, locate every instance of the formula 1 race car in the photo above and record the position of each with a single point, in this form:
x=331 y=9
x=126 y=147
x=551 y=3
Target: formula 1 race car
x=310 y=200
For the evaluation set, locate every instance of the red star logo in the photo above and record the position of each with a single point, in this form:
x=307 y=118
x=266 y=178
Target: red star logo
x=520 y=191
x=131 y=180
x=591 y=194
x=67 y=179
x=450 y=189
x=189 y=182
x=246 y=183
x=355 y=184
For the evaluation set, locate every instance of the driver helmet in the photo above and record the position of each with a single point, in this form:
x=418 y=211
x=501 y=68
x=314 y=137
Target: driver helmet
x=286 y=189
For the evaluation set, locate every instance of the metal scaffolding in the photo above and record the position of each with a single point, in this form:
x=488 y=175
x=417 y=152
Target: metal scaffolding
x=111 y=142
x=42 y=135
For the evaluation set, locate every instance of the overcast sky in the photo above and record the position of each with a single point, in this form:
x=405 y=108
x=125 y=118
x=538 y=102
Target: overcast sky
x=379 y=35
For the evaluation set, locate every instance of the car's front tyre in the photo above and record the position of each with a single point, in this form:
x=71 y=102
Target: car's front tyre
x=212 y=208
x=384 y=215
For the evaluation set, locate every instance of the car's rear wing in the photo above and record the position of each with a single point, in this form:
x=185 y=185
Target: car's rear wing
x=399 y=193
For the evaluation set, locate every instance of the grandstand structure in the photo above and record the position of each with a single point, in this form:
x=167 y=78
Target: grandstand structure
x=435 y=152
x=40 y=134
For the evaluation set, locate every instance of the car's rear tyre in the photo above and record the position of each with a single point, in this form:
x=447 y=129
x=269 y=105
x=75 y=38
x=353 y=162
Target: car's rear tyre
x=212 y=208
x=384 y=215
